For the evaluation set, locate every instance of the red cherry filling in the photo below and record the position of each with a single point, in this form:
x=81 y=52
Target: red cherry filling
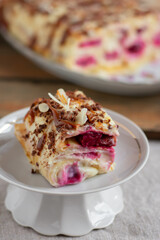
x=111 y=55
x=86 y=61
x=70 y=175
x=136 y=48
x=90 y=43
x=73 y=174
x=141 y=30
x=156 y=40
x=95 y=139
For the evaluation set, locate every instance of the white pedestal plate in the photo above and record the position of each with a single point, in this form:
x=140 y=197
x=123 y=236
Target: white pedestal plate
x=69 y=215
x=71 y=210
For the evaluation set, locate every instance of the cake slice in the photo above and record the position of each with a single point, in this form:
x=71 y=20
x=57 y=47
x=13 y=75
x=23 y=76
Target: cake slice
x=98 y=37
x=68 y=138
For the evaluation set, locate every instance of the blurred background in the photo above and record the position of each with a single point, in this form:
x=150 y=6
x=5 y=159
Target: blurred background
x=22 y=81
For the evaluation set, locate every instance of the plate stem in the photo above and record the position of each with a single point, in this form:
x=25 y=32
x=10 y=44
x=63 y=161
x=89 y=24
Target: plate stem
x=72 y=215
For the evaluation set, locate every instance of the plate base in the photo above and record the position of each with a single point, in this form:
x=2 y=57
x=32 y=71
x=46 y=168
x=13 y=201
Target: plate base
x=72 y=215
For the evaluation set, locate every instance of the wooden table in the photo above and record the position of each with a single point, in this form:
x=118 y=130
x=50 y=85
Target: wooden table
x=21 y=81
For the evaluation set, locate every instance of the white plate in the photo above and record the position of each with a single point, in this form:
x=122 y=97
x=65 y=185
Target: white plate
x=145 y=81
x=131 y=154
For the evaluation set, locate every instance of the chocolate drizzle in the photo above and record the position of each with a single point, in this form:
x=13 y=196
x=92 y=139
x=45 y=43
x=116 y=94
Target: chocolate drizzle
x=32 y=42
x=32 y=116
x=54 y=27
x=58 y=121
x=51 y=143
x=41 y=143
x=80 y=16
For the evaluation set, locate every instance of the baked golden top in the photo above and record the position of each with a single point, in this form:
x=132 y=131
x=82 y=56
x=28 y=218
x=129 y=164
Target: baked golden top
x=64 y=116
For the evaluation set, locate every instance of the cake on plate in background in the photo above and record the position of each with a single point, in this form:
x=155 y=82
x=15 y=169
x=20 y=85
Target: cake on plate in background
x=95 y=37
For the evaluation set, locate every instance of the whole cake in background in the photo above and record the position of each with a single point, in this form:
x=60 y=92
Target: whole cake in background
x=68 y=138
x=97 y=37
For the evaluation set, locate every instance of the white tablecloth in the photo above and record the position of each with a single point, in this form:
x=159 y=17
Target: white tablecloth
x=139 y=220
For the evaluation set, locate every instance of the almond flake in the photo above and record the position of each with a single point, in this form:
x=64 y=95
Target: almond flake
x=62 y=96
x=55 y=99
x=82 y=117
x=66 y=106
x=43 y=107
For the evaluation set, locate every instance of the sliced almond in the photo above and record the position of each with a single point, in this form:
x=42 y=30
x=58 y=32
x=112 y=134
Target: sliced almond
x=59 y=102
x=43 y=107
x=62 y=96
x=82 y=117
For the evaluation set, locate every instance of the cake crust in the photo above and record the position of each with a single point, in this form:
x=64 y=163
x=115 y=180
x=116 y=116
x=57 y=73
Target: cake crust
x=97 y=37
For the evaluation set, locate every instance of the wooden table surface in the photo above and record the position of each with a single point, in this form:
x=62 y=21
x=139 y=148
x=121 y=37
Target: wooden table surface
x=21 y=82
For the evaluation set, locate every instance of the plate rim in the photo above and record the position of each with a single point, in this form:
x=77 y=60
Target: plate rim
x=49 y=191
